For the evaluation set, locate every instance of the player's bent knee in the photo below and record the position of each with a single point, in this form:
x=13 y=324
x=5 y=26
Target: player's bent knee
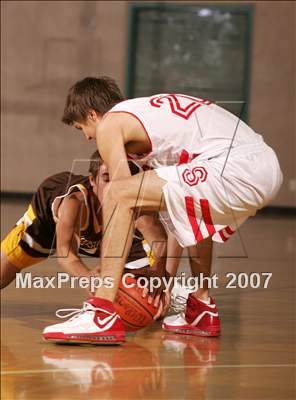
x=140 y=191
x=115 y=192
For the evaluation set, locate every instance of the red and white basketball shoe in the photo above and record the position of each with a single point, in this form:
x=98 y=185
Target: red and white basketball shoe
x=200 y=319
x=97 y=322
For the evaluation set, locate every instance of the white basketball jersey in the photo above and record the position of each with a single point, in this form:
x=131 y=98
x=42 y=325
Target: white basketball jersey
x=180 y=127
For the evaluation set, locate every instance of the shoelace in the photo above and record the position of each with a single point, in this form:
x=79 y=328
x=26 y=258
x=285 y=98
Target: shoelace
x=75 y=312
x=178 y=303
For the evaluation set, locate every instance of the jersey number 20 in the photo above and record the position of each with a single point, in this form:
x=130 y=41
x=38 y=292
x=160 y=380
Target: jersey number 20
x=180 y=104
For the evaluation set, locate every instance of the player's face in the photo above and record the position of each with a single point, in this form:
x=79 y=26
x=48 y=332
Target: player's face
x=101 y=181
x=88 y=127
x=103 y=176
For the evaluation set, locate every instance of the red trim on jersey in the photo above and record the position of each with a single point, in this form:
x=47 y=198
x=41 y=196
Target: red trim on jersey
x=229 y=230
x=206 y=213
x=135 y=116
x=223 y=237
x=192 y=218
x=194 y=155
x=203 y=101
x=184 y=157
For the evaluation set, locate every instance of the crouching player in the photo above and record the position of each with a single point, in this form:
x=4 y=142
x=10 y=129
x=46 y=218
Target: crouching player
x=64 y=218
x=206 y=171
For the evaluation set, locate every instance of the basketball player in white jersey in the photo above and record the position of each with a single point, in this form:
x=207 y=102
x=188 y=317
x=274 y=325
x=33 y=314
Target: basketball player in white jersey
x=207 y=172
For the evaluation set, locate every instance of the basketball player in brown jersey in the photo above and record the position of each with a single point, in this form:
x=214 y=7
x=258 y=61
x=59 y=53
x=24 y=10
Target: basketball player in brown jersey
x=64 y=218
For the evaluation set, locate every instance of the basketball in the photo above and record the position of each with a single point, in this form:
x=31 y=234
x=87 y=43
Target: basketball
x=134 y=310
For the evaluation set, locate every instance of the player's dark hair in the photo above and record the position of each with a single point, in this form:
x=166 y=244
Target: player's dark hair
x=95 y=163
x=98 y=94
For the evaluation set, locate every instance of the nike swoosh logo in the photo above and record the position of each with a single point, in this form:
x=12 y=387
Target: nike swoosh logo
x=102 y=322
x=106 y=323
x=200 y=316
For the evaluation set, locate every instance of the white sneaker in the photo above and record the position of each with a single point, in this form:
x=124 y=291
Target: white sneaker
x=175 y=320
x=97 y=322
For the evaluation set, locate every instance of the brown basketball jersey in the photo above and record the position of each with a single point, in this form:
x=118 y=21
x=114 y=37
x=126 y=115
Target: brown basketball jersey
x=39 y=239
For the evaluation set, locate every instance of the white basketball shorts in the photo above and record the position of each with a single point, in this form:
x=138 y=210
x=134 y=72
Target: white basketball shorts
x=213 y=197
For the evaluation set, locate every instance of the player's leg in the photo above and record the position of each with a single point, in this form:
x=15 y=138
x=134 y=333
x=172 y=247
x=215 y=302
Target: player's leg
x=201 y=316
x=190 y=209
x=121 y=201
x=13 y=257
x=174 y=255
x=156 y=237
x=8 y=271
x=200 y=258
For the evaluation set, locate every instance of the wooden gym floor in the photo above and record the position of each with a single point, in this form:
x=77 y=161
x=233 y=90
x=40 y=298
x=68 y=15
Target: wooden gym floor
x=253 y=359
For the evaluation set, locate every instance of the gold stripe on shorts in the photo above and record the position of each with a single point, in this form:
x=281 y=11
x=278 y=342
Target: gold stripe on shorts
x=10 y=246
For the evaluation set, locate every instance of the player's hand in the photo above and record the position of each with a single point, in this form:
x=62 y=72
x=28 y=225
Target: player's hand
x=163 y=305
x=162 y=302
x=158 y=297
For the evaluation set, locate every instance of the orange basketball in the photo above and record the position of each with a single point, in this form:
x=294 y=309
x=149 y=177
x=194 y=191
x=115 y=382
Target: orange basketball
x=134 y=310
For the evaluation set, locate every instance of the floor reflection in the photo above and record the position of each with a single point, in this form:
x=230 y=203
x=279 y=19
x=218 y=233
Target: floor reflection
x=132 y=371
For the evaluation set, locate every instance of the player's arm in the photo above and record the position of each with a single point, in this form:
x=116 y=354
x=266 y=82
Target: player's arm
x=117 y=134
x=111 y=143
x=67 y=237
x=153 y=231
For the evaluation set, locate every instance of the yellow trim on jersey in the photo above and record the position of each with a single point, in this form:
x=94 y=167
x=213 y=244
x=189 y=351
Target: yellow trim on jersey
x=30 y=213
x=10 y=246
x=149 y=252
x=82 y=186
